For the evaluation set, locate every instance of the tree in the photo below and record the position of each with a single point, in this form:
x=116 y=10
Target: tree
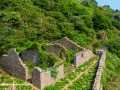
x=114 y=46
x=100 y=22
x=116 y=23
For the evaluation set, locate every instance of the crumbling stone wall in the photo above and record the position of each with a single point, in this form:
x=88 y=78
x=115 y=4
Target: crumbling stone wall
x=57 y=49
x=13 y=65
x=31 y=55
x=60 y=70
x=96 y=85
x=70 y=45
x=82 y=57
x=41 y=78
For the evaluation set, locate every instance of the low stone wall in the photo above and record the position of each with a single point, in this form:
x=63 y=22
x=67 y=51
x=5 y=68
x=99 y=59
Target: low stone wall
x=57 y=49
x=70 y=45
x=41 y=78
x=13 y=65
x=96 y=85
x=82 y=57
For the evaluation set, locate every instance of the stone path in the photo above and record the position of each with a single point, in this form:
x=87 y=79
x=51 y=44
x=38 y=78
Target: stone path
x=79 y=75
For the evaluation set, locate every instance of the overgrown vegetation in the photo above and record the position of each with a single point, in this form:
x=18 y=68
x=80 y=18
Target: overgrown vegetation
x=27 y=24
x=110 y=77
x=87 y=78
x=21 y=84
x=53 y=71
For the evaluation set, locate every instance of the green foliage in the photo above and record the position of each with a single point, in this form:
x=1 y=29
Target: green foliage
x=85 y=81
x=70 y=56
x=116 y=23
x=117 y=16
x=1 y=69
x=4 y=4
x=89 y=3
x=33 y=46
x=71 y=76
x=24 y=23
x=88 y=21
x=57 y=15
x=100 y=22
x=41 y=3
x=30 y=66
x=114 y=46
x=85 y=3
x=53 y=71
x=110 y=75
x=8 y=80
x=80 y=25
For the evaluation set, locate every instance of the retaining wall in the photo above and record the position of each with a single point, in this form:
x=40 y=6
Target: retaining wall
x=96 y=85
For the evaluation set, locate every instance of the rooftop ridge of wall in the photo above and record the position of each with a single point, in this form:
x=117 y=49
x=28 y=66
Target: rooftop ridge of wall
x=69 y=44
x=96 y=85
x=56 y=48
x=82 y=51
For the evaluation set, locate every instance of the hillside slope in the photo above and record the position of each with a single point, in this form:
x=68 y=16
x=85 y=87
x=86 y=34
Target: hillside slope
x=25 y=22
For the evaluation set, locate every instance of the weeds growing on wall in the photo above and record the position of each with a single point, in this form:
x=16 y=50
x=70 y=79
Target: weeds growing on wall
x=53 y=71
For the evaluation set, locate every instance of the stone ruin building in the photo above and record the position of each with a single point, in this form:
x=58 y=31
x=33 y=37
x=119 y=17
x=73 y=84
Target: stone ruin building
x=14 y=66
x=59 y=48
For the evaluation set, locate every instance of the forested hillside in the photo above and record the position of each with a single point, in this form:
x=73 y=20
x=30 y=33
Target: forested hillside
x=23 y=23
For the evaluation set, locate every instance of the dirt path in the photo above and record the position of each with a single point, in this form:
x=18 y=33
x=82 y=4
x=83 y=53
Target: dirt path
x=78 y=76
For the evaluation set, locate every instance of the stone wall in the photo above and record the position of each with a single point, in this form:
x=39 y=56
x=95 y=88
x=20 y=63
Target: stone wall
x=70 y=45
x=96 y=85
x=31 y=55
x=36 y=77
x=57 y=49
x=41 y=78
x=13 y=65
x=82 y=57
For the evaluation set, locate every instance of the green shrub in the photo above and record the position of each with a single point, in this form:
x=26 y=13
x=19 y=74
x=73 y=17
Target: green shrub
x=41 y=3
x=114 y=46
x=4 y=4
x=30 y=66
x=116 y=23
x=53 y=71
x=100 y=22
x=1 y=69
x=85 y=3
